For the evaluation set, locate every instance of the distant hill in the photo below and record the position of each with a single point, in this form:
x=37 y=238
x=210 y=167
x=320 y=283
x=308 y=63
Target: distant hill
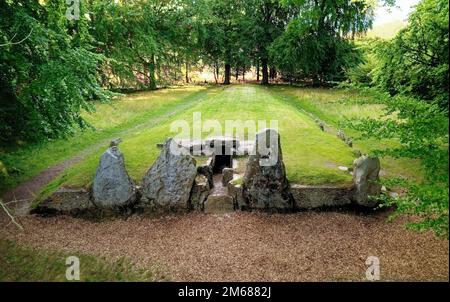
x=387 y=30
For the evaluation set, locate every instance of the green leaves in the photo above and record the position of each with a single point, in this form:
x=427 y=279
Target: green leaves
x=415 y=62
x=421 y=130
x=48 y=78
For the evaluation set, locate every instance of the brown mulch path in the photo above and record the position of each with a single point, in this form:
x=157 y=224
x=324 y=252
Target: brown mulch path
x=243 y=246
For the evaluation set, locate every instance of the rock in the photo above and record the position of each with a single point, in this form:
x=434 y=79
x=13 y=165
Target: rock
x=365 y=177
x=341 y=135
x=357 y=153
x=219 y=204
x=112 y=186
x=393 y=195
x=265 y=184
x=199 y=193
x=322 y=126
x=312 y=197
x=65 y=201
x=207 y=171
x=236 y=192
x=349 y=142
x=342 y=168
x=227 y=175
x=168 y=182
x=115 y=142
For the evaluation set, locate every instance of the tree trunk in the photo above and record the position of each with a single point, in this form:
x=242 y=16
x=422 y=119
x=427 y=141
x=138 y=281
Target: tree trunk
x=243 y=73
x=237 y=73
x=257 y=70
x=227 y=74
x=217 y=73
x=187 y=72
x=265 y=72
x=273 y=73
x=151 y=70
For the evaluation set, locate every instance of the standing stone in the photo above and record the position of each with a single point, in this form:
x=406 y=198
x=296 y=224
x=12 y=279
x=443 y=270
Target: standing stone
x=341 y=135
x=112 y=186
x=366 y=177
x=265 y=184
x=235 y=190
x=168 y=182
x=227 y=176
x=207 y=171
x=199 y=193
x=349 y=142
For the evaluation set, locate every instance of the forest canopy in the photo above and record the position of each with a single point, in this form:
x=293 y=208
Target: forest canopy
x=53 y=65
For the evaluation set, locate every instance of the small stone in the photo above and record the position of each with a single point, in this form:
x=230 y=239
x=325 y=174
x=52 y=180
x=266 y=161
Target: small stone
x=341 y=135
x=357 y=153
x=393 y=195
x=227 y=176
x=349 y=142
x=322 y=126
x=199 y=193
x=115 y=142
x=366 y=179
x=219 y=204
x=342 y=168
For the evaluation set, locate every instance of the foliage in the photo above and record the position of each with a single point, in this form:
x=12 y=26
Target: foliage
x=316 y=42
x=416 y=61
x=48 y=76
x=422 y=132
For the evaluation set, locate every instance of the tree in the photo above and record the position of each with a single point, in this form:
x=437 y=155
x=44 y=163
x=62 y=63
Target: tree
x=269 y=19
x=415 y=62
x=48 y=78
x=316 y=44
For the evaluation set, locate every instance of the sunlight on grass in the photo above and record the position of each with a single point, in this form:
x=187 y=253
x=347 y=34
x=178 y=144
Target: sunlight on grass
x=111 y=120
x=311 y=156
x=335 y=105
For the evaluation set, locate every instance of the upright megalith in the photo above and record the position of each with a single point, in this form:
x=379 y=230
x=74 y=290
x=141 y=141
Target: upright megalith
x=168 y=182
x=112 y=186
x=366 y=172
x=265 y=185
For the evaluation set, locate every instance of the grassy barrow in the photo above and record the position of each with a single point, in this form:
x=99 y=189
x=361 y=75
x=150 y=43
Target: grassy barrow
x=311 y=156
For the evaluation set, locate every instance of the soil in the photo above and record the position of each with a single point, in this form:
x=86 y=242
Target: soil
x=20 y=198
x=249 y=246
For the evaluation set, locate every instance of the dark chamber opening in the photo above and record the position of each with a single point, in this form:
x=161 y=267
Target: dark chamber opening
x=221 y=162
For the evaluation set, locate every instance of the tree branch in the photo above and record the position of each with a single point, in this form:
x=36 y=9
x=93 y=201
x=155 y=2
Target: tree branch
x=13 y=220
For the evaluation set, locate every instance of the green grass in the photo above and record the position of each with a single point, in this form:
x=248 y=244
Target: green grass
x=19 y=263
x=311 y=156
x=143 y=119
x=335 y=105
x=110 y=120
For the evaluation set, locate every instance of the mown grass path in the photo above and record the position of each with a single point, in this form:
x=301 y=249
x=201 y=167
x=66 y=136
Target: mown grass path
x=39 y=165
x=143 y=119
x=311 y=156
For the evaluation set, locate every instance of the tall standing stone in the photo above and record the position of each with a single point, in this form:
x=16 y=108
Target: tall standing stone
x=265 y=185
x=168 y=182
x=112 y=186
x=366 y=172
